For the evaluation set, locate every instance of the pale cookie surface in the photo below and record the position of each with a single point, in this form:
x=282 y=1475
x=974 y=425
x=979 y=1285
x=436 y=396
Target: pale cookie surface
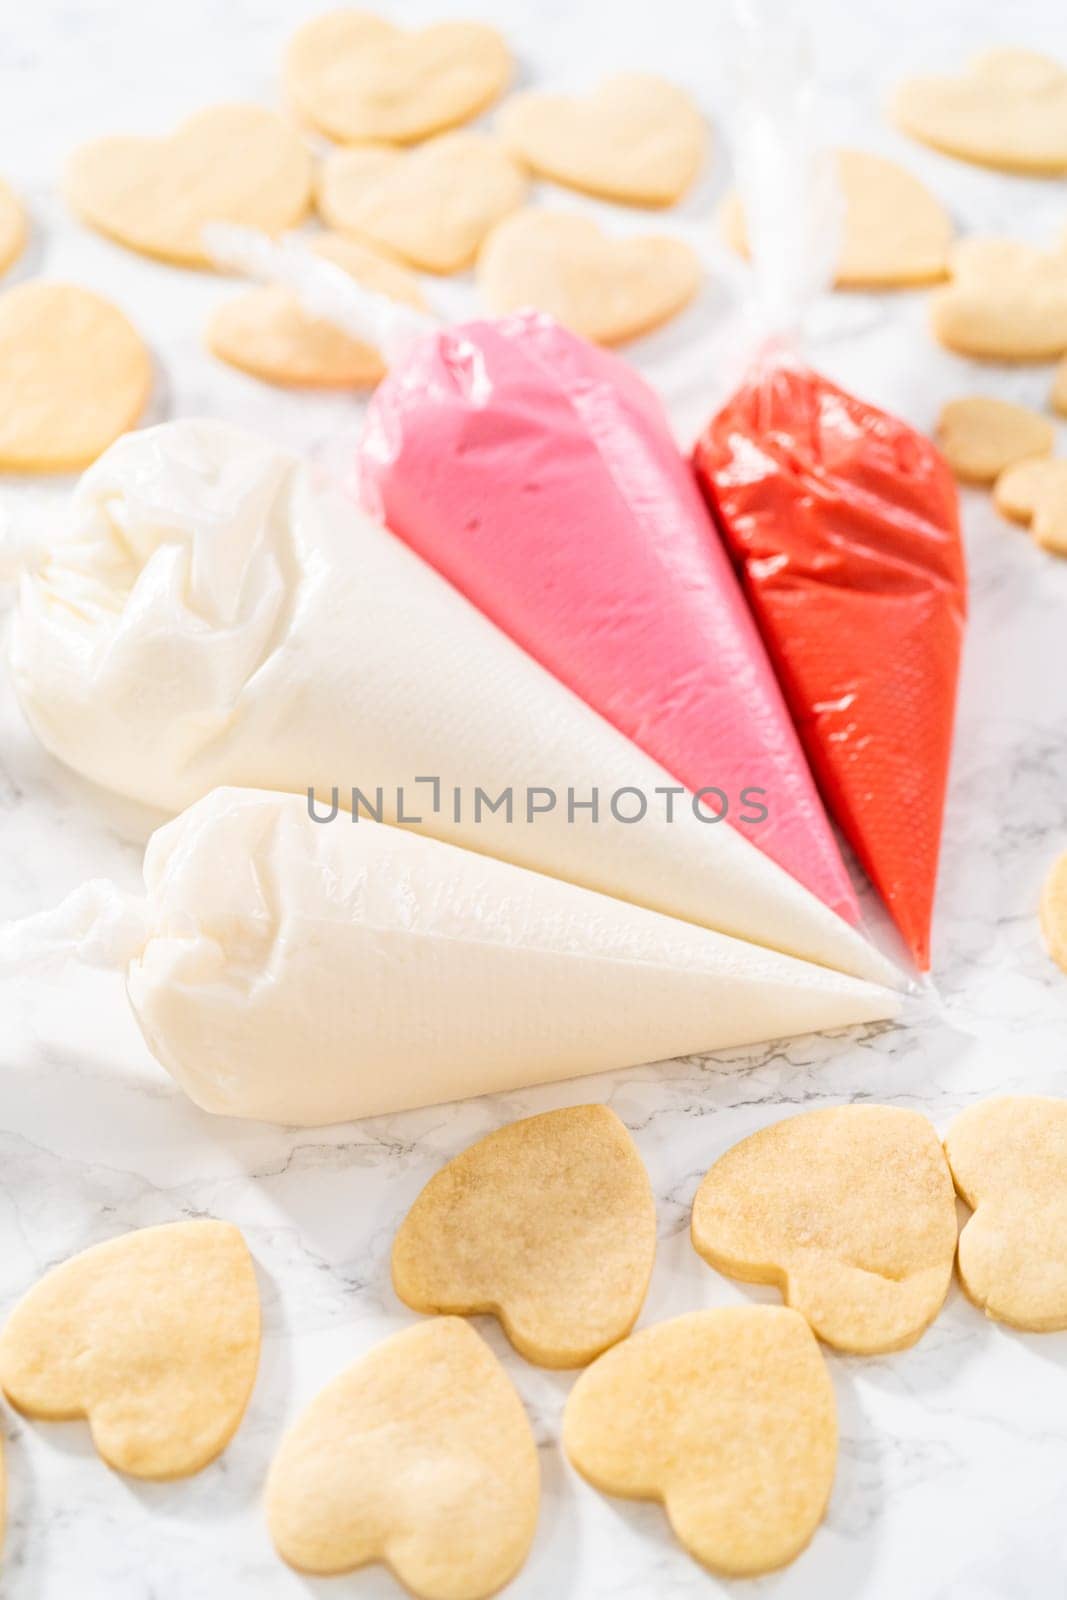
x=1009 y=1161
x=12 y=226
x=1035 y=493
x=357 y=78
x=1059 y=390
x=74 y=375
x=635 y=138
x=153 y=1337
x=265 y=330
x=849 y=1211
x=419 y=1456
x=236 y=163
x=548 y=1223
x=726 y=1416
x=1006 y=301
x=1054 y=912
x=896 y=233
x=980 y=436
x=607 y=289
x=1007 y=110
x=432 y=207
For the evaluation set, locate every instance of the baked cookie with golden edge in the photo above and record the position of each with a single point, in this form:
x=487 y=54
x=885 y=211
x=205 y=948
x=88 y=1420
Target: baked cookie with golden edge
x=726 y=1416
x=235 y=163
x=896 y=234
x=979 y=436
x=431 y=207
x=12 y=226
x=74 y=374
x=1035 y=493
x=849 y=1211
x=152 y=1337
x=1059 y=390
x=607 y=289
x=1005 y=302
x=266 y=332
x=1007 y=110
x=548 y=1223
x=419 y=1456
x=359 y=79
x=635 y=138
x=1009 y=1163
x=1054 y=912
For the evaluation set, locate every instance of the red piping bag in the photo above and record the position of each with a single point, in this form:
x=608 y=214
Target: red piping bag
x=843 y=524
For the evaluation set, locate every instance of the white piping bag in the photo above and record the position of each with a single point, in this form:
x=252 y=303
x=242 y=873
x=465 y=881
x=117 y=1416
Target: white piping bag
x=308 y=973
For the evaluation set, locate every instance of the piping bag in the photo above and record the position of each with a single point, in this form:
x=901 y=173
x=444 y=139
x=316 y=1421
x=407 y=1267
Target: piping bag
x=216 y=613
x=842 y=521
x=538 y=474
x=297 y=972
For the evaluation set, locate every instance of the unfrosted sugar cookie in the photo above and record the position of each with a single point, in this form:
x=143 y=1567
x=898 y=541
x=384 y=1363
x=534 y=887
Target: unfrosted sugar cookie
x=74 y=374
x=1059 y=390
x=1035 y=493
x=634 y=138
x=980 y=436
x=432 y=206
x=1009 y=1162
x=357 y=78
x=726 y=1416
x=1008 y=110
x=265 y=331
x=1006 y=301
x=12 y=226
x=896 y=233
x=235 y=163
x=848 y=1210
x=1054 y=912
x=153 y=1337
x=419 y=1456
x=548 y=1223
x=607 y=289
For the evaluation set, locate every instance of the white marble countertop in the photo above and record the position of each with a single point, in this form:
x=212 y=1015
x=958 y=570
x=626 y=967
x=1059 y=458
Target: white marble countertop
x=953 y=1466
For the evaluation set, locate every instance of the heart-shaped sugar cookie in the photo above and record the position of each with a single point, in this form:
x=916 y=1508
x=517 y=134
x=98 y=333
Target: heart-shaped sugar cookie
x=73 y=376
x=12 y=226
x=1008 y=110
x=548 y=1223
x=726 y=1416
x=419 y=1456
x=432 y=206
x=266 y=331
x=1009 y=1162
x=237 y=163
x=153 y=1337
x=1035 y=492
x=1058 y=397
x=1054 y=912
x=635 y=138
x=896 y=233
x=1006 y=301
x=607 y=289
x=849 y=1211
x=357 y=78
x=980 y=436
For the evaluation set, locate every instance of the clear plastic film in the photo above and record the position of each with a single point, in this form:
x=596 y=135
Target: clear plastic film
x=323 y=289
x=98 y=925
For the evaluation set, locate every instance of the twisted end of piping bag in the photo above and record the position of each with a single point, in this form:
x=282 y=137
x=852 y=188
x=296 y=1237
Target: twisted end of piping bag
x=787 y=184
x=98 y=925
x=324 y=290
